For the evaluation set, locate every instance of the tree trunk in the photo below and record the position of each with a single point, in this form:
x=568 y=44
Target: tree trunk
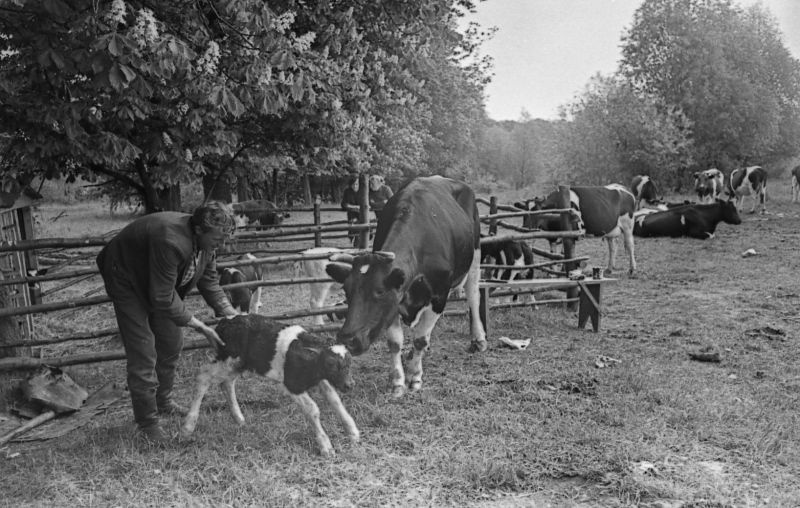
x=243 y=189
x=217 y=189
x=169 y=198
x=306 y=188
x=275 y=185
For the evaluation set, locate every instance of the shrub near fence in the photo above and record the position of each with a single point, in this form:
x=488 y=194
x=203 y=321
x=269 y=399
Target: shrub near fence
x=298 y=233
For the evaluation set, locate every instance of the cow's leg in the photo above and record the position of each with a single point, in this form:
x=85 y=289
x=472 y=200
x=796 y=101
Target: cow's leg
x=421 y=330
x=336 y=403
x=229 y=389
x=318 y=295
x=394 y=336
x=311 y=412
x=209 y=374
x=612 y=253
x=626 y=225
x=477 y=327
x=255 y=301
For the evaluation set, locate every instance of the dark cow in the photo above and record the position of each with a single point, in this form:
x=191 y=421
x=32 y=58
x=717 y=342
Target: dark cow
x=644 y=189
x=751 y=181
x=694 y=221
x=427 y=242
x=708 y=185
x=795 y=184
x=244 y=299
x=606 y=212
x=257 y=211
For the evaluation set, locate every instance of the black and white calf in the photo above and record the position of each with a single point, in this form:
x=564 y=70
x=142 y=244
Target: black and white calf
x=708 y=185
x=244 y=299
x=751 y=181
x=644 y=189
x=286 y=354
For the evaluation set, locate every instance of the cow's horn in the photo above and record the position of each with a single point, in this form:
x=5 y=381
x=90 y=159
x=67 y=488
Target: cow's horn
x=385 y=254
x=342 y=257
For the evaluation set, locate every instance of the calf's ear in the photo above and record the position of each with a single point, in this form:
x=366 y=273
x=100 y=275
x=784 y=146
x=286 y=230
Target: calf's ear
x=520 y=205
x=338 y=271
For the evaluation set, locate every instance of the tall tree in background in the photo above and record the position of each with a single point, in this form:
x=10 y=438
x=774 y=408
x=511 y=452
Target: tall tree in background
x=728 y=71
x=615 y=132
x=150 y=95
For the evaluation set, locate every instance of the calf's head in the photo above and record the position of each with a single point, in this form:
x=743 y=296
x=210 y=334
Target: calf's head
x=376 y=293
x=335 y=362
x=730 y=214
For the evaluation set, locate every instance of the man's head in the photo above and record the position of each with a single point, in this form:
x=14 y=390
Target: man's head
x=212 y=224
x=353 y=183
x=375 y=182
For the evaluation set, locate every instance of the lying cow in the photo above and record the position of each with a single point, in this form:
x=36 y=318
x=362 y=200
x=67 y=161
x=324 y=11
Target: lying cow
x=285 y=354
x=694 y=221
x=708 y=185
x=644 y=189
x=795 y=184
x=606 y=212
x=751 y=181
x=244 y=299
x=427 y=241
x=257 y=212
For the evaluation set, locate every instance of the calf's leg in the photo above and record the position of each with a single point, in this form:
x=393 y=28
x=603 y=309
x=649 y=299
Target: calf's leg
x=209 y=374
x=311 y=412
x=336 y=403
x=229 y=389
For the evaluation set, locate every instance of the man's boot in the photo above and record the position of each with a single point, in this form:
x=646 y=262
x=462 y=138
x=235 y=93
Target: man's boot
x=146 y=416
x=164 y=399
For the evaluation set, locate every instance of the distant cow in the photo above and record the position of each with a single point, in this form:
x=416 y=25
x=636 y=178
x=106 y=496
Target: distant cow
x=257 y=211
x=508 y=253
x=315 y=268
x=644 y=189
x=606 y=212
x=708 y=185
x=427 y=242
x=751 y=181
x=795 y=184
x=244 y=299
x=694 y=221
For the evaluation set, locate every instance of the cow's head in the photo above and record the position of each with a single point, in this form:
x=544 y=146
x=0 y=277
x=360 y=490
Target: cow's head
x=730 y=214
x=377 y=293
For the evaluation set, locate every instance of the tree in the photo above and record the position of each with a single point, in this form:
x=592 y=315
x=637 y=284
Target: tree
x=147 y=95
x=616 y=132
x=726 y=69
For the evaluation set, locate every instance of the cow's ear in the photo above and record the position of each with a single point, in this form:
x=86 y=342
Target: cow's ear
x=520 y=205
x=338 y=271
x=395 y=279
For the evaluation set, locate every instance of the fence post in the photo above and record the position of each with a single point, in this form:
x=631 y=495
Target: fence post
x=569 y=243
x=492 y=210
x=317 y=220
x=363 y=210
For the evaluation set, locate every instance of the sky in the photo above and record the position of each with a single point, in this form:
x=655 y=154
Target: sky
x=545 y=51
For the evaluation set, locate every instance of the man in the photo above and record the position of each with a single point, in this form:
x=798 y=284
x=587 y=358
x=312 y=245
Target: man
x=379 y=193
x=148 y=268
x=350 y=204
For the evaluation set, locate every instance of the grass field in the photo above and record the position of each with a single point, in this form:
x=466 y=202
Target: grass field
x=539 y=427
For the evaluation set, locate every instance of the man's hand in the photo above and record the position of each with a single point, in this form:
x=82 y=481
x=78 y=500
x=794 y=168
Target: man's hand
x=211 y=335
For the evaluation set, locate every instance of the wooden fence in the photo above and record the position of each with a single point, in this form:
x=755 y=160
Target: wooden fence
x=296 y=232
